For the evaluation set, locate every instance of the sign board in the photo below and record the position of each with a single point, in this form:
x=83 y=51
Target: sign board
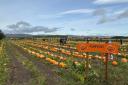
x=96 y=47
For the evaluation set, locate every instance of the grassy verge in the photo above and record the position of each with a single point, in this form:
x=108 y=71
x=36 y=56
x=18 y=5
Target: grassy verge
x=4 y=65
x=37 y=77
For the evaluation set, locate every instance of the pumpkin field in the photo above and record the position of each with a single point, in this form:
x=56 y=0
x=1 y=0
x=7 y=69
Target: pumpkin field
x=63 y=42
x=39 y=62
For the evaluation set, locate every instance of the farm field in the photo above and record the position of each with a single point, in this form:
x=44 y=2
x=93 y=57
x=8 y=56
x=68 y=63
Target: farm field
x=63 y=42
x=37 y=62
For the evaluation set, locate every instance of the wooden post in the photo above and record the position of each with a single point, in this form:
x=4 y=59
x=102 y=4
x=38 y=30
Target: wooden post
x=86 y=66
x=86 y=63
x=106 y=67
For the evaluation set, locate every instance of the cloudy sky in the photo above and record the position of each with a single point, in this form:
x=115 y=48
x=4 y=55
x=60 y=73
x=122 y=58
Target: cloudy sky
x=75 y=17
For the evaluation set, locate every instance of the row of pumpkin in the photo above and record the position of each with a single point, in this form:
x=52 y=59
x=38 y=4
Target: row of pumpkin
x=38 y=55
x=68 y=46
x=74 y=54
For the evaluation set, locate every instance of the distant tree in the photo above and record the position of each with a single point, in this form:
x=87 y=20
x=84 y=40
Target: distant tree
x=119 y=37
x=1 y=35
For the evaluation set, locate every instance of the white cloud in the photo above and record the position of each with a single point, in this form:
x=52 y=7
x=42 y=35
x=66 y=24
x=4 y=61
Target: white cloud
x=123 y=15
x=23 y=27
x=105 y=15
x=77 y=11
x=110 y=1
x=106 y=19
x=117 y=15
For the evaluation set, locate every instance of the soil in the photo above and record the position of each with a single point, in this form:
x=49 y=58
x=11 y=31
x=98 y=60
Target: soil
x=19 y=75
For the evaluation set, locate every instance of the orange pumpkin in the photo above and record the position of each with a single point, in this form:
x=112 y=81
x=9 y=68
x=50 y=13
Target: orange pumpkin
x=124 y=60
x=54 y=62
x=41 y=56
x=62 y=65
x=33 y=52
x=48 y=59
x=37 y=54
x=114 y=63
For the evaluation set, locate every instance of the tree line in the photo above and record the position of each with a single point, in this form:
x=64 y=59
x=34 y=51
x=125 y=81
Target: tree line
x=1 y=35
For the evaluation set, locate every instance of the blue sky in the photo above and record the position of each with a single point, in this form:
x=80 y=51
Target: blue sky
x=75 y=17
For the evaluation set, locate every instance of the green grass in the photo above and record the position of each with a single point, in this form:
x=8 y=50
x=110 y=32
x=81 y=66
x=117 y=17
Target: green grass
x=37 y=77
x=4 y=65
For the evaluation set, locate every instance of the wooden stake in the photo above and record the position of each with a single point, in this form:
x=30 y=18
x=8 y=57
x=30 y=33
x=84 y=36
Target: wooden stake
x=86 y=63
x=106 y=67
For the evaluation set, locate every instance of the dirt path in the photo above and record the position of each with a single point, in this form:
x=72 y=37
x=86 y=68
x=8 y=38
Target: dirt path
x=18 y=74
x=51 y=77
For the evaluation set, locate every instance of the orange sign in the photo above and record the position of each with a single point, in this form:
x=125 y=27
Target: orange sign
x=96 y=47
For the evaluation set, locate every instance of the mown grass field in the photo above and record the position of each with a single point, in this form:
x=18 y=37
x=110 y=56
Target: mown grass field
x=28 y=62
